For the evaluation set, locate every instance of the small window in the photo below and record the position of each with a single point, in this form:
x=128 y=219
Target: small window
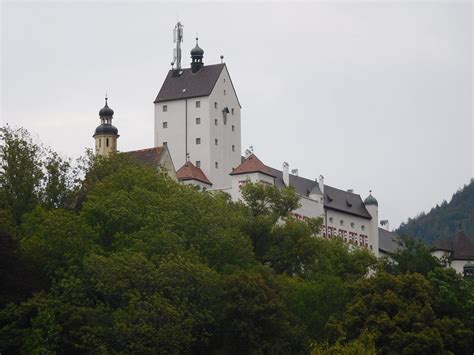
x=215 y=104
x=362 y=227
x=107 y=142
x=232 y=111
x=165 y=124
x=352 y=225
x=224 y=92
x=331 y=219
x=216 y=141
x=198 y=163
x=100 y=142
x=198 y=103
x=165 y=108
x=224 y=80
x=215 y=122
x=198 y=140
x=233 y=148
x=216 y=164
x=233 y=128
x=198 y=120
x=342 y=222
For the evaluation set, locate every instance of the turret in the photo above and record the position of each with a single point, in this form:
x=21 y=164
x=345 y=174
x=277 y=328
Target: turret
x=372 y=207
x=197 y=53
x=106 y=134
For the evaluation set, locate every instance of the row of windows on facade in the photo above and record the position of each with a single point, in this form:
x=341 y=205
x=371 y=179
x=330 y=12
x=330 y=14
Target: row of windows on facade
x=341 y=222
x=198 y=121
x=198 y=164
x=198 y=141
x=198 y=105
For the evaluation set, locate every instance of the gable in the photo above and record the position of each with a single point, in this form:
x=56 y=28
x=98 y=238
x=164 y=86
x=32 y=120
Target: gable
x=184 y=84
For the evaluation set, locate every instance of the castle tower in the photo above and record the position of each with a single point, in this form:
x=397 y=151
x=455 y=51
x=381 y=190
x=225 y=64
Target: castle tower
x=373 y=207
x=106 y=134
x=197 y=115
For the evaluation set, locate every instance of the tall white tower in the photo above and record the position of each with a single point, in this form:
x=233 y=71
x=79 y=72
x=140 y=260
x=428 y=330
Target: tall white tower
x=197 y=115
x=373 y=207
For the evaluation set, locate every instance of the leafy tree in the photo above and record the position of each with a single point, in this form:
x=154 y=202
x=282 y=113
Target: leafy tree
x=20 y=172
x=255 y=318
x=266 y=204
x=396 y=310
x=413 y=256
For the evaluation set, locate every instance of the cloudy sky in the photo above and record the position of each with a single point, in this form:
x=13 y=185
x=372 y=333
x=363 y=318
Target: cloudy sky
x=371 y=95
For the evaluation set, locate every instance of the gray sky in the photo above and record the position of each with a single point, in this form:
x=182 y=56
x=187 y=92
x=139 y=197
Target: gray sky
x=371 y=95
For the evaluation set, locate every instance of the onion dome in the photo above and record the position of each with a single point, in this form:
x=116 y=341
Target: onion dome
x=370 y=200
x=106 y=111
x=106 y=129
x=468 y=269
x=197 y=51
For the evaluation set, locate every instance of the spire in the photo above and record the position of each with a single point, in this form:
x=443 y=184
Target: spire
x=197 y=53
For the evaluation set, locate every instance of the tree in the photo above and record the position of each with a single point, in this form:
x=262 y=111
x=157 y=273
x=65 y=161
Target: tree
x=266 y=204
x=20 y=172
x=255 y=318
x=412 y=256
x=396 y=310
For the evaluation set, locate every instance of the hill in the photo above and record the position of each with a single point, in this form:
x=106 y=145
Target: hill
x=444 y=220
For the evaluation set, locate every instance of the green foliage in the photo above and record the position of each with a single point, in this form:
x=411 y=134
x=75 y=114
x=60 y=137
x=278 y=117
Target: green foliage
x=444 y=221
x=114 y=257
x=413 y=256
x=20 y=172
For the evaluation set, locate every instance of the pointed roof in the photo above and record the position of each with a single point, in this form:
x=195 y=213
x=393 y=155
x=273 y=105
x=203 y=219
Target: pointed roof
x=147 y=156
x=460 y=246
x=184 y=84
x=252 y=165
x=190 y=172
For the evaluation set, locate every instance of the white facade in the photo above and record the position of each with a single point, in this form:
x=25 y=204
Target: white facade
x=352 y=229
x=199 y=127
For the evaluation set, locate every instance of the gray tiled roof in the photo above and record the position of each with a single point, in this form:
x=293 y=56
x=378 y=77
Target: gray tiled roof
x=345 y=201
x=196 y=84
x=388 y=241
x=335 y=199
x=460 y=246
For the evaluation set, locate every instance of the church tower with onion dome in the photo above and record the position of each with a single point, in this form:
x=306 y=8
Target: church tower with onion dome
x=106 y=134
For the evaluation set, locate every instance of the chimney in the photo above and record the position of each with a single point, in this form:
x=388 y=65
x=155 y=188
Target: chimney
x=248 y=153
x=286 y=173
x=321 y=183
x=294 y=172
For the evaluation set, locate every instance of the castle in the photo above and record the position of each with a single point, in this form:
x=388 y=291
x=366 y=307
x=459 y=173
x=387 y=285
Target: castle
x=197 y=138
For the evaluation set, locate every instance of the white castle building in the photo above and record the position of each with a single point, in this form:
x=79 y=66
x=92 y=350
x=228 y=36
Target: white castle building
x=198 y=130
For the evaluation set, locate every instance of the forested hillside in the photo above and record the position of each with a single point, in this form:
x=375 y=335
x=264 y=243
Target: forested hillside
x=445 y=219
x=111 y=257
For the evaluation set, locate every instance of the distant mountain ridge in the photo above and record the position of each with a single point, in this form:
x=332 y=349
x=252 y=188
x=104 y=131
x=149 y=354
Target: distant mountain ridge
x=444 y=220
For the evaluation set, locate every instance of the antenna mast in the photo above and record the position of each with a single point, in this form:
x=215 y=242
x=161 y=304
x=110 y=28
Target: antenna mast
x=178 y=39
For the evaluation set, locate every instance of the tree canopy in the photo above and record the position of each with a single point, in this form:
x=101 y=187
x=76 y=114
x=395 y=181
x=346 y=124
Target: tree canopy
x=105 y=255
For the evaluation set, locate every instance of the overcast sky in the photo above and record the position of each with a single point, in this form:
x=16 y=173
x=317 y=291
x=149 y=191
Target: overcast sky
x=370 y=95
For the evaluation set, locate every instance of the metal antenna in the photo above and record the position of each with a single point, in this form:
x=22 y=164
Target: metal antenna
x=178 y=39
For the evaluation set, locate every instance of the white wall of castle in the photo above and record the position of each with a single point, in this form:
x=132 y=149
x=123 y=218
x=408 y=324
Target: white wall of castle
x=181 y=121
x=352 y=229
x=227 y=152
